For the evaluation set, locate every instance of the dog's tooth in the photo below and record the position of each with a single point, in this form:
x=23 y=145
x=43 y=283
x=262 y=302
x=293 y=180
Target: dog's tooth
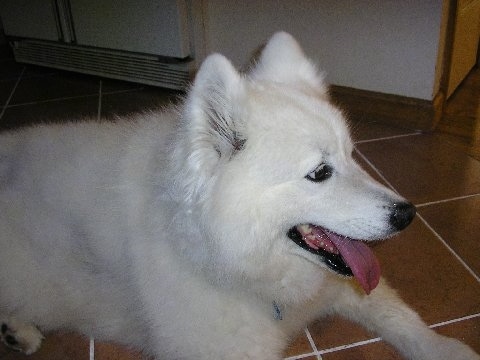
x=305 y=229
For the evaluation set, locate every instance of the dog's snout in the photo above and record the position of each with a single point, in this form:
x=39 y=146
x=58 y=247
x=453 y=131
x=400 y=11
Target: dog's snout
x=402 y=215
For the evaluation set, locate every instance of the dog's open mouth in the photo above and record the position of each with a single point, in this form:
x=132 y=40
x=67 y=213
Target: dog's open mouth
x=348 y=257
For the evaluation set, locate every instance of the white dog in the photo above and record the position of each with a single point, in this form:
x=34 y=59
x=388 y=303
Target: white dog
x=218 y=230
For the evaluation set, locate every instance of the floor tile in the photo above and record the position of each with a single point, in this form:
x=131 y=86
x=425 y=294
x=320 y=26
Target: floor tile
x=51 y=111
x=107 y=351
x=468 y=331
x=6 y=87
x=10 y=70
x=458 y=223
x=335 y=331
x=128 y=102
x=55 y=347
x=35 y=71
x=364 y=164
x=298 y=346
x=5 y=52
x=427 y=276
x=54 y=86
x=112 y=85
x=424 y=168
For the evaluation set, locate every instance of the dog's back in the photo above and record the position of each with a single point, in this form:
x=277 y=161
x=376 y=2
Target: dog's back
x=64 y=220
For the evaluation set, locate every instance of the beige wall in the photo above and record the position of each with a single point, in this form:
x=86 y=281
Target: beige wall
x=386 y=46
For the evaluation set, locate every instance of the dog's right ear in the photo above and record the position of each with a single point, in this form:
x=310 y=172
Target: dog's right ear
x=212 y=130
x=283 y=60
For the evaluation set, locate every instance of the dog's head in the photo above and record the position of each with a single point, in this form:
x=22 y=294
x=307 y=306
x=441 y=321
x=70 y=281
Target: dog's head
x=266 y=164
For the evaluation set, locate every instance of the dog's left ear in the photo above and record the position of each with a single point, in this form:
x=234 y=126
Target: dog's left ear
x=283 y=60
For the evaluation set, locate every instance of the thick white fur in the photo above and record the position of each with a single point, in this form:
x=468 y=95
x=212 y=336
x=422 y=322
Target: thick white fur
x=167 y=232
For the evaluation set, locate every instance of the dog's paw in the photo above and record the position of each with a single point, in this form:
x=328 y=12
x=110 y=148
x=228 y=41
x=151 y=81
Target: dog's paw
x=450 y=349
x=21 y=337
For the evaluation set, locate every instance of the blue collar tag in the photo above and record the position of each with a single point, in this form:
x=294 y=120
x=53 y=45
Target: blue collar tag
x=277 y=311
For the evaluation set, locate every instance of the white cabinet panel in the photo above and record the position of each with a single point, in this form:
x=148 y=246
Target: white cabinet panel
x=30 y=19
x=147 y=26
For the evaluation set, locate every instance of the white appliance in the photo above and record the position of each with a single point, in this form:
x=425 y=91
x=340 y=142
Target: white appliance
x=146 y=41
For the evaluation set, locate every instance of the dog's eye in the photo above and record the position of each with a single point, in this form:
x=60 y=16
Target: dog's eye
x=321 y=173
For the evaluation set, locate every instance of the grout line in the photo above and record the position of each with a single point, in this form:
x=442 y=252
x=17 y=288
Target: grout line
x=349 y=346
x=73 y=97
x=12 y=92
x=113 y=92
x=99 y=110
x=388 y=137
x=453 y=252
x=447 y=200
x=453 y=321
x=52 y=100
x=312 y=343
x=376 y=170
x=92 y=349
x=302 y=356
x=310 y=340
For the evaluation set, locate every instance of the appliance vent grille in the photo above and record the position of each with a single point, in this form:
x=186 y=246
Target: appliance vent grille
x=146 y=69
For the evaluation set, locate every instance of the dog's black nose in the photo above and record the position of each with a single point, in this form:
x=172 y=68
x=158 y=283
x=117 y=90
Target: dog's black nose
x=402 y=215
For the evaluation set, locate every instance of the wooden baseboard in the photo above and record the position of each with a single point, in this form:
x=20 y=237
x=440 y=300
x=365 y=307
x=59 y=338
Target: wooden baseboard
x=397 y=110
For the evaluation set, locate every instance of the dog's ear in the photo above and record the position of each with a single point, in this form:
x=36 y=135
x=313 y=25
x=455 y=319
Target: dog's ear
x=212 y=130
x=213 y=105
x=283 y=60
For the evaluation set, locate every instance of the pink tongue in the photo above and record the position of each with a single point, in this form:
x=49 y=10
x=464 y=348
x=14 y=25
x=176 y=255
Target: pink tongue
x=359 y=258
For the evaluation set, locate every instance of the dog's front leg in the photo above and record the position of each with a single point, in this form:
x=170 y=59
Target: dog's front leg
x=384 y=313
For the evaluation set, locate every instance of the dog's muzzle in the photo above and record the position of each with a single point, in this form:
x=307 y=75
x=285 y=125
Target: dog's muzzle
x=346 y=256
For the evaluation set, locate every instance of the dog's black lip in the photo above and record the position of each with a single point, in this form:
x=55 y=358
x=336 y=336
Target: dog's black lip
x=334 y=261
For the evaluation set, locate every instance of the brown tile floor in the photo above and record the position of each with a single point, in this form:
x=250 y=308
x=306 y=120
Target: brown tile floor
x=434 y=264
